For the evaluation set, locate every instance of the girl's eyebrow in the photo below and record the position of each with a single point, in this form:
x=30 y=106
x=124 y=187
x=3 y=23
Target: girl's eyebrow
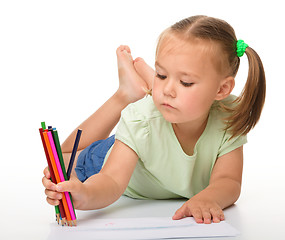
x=192 y=75
x=157 y=64
x=181 y=72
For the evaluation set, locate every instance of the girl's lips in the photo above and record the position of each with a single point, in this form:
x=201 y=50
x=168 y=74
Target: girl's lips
x=167 y=105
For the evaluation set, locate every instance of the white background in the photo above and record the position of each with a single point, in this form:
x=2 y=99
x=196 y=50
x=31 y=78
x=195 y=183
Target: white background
x=58 y=64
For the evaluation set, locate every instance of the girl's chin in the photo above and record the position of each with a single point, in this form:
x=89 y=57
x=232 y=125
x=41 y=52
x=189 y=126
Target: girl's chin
x=170 y=118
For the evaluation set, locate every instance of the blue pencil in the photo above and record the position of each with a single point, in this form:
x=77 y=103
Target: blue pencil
x=74 y=150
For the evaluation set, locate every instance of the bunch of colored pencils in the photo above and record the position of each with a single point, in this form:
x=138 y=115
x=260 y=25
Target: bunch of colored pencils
x=65 y=213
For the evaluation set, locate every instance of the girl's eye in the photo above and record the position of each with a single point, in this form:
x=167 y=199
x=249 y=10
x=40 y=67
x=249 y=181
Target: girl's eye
x=186 y=84
x=162 y=77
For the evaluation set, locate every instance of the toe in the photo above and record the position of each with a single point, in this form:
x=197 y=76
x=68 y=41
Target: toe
x=123 y=48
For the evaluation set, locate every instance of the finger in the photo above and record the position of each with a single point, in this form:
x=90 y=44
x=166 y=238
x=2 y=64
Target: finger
x=206 y=216
x=181 y=213
x=47 y=172
x=52 y=201
x=53 y=195
x=68 y=186
x=217 y=214
x=222 y=216
x=48 y=184
x=197 y=214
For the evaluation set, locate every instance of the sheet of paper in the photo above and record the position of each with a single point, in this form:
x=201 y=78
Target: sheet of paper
x=141 y=228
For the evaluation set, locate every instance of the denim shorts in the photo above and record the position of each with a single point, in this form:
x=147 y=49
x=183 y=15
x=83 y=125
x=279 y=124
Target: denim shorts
x=91 y=159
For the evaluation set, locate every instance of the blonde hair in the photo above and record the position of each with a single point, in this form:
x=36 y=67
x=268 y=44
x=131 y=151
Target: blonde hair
x=247 y=110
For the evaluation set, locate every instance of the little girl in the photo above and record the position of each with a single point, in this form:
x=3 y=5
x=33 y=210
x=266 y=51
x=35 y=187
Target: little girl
x=185 y=140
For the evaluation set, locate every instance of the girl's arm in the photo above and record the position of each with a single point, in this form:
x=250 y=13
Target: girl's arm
x=223 y=190
x=99 y=125
x=102 y=189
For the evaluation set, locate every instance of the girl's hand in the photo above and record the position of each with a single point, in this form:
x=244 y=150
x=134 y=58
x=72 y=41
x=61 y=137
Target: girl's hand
x=54 y=191
x=202 y=209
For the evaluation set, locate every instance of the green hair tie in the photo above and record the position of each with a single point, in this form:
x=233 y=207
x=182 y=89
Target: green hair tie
x=241 y=46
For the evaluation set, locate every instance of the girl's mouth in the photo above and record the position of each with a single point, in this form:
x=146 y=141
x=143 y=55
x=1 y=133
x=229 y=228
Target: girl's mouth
x=167 y=105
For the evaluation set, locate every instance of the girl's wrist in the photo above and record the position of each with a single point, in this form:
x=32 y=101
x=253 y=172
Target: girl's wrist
x=82 y=202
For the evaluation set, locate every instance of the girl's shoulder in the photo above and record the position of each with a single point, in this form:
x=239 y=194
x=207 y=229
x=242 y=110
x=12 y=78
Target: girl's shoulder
x=218 y=132
x=137 y=120
x=141 y=110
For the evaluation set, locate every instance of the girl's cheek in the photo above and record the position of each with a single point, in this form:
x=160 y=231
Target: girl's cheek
x=155 y=97
x=191 y=104
x=155 y=92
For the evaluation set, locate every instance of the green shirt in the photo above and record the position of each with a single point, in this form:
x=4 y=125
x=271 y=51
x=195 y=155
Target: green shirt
x=164 y=170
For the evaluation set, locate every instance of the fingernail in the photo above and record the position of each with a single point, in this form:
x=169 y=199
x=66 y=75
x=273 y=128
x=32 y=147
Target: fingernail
x=58 y=188
x=199 y=220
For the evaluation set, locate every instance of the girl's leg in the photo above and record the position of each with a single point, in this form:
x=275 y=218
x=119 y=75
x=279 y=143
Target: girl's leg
x=99 y=125
x=144 y=71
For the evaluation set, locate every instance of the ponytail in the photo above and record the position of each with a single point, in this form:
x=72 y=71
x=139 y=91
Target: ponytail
x=247 y=111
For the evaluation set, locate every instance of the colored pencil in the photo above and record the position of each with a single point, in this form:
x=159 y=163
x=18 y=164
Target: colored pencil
x=65 y=210
x=57 y=162
x=58 y=209
x=74 y=150
x=59 y=153
x=63 y=219
x=54 y=167
x=62 y=205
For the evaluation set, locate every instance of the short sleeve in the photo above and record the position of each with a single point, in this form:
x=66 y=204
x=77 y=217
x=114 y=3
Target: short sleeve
x=228 y=145
x=133 y=129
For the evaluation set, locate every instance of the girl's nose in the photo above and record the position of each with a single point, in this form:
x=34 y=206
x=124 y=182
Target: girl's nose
x=169 y=88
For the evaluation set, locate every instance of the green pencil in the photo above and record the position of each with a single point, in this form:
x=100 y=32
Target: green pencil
x=57 y=213
x=43 y=125
x=59 y=152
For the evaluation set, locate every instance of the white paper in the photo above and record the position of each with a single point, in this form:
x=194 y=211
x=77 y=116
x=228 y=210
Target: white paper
x=141 y=228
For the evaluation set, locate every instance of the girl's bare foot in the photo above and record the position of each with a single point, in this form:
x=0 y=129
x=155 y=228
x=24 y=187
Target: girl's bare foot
x=130 y=83
x=145 y=71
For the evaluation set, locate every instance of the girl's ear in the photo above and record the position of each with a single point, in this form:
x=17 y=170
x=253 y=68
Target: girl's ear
x=226 y=88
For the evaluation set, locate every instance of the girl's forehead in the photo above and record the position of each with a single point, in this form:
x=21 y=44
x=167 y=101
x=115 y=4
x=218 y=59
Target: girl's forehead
x=177 y=45
x=176 y=48
x=193 y=49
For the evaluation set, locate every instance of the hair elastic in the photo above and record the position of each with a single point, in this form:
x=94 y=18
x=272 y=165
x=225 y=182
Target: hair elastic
x=241 y=46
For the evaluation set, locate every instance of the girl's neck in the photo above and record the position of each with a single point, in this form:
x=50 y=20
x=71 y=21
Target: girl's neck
x=191 y=129
x=189 y=133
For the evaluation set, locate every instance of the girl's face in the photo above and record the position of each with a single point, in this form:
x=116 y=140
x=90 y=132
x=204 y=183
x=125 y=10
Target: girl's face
x=186 y=82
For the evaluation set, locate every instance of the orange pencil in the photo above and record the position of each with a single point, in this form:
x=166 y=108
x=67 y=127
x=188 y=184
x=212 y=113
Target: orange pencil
x=65 y=206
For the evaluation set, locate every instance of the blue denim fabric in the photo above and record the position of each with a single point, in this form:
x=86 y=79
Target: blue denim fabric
x=91 y=159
